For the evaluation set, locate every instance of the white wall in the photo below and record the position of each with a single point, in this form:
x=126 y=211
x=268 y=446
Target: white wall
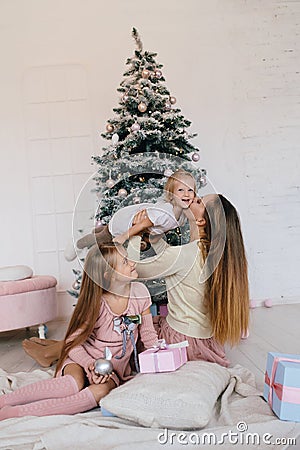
x=234 y=69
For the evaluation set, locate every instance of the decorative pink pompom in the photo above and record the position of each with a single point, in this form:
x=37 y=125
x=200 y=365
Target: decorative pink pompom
x=253 y=304
x=268 y=303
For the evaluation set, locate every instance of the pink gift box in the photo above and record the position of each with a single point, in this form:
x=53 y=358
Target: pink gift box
x=162 y=360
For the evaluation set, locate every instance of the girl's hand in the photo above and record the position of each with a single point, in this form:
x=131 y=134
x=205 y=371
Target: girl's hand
x=95 y=378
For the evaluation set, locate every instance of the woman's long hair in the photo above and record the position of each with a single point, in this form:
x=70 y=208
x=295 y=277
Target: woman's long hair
x=226 y=289
x=100 y=263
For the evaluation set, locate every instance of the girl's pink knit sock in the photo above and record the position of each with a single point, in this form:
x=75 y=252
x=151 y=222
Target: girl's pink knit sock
x=41 y=390
x=80 y=402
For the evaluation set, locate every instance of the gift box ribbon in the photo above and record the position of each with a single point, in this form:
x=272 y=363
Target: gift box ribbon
x=284 y=393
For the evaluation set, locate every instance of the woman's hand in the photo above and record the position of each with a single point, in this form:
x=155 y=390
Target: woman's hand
x=140 y=217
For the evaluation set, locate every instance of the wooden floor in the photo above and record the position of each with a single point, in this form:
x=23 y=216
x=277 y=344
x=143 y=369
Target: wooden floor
x=271 y=329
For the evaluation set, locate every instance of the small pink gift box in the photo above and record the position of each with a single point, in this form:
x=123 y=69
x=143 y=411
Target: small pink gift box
x=164 y=359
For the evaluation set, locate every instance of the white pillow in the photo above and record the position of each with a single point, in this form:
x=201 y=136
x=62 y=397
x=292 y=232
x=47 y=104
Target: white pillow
x=14 y=273
x=183 y=399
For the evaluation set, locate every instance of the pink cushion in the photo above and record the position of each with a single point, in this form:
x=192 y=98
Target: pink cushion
x=35 y=283
x=26 y=309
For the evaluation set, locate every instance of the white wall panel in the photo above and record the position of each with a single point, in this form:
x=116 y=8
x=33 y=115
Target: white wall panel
x=233 y=67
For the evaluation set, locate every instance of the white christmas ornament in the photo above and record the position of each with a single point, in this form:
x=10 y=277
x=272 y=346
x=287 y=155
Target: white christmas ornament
x=115 y=138
x=168 y=172
x=136 y=199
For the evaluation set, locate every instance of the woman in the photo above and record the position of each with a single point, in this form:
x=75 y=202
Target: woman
x=206 y=280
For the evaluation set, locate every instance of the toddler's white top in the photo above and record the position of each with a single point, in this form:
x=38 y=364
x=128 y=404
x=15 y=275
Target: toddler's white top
x=161 y=215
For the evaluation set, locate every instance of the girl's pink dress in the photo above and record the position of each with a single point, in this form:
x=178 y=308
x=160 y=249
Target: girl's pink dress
x=108 y=334
x=198 y=349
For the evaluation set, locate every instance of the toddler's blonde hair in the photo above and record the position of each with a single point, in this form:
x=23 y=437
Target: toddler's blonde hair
x=179 y=175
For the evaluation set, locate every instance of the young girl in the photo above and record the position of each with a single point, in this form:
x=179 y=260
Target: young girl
x=108 y=312
x=159 y=217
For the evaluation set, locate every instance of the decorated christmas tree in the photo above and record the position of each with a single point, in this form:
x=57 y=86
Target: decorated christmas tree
x=148 y=141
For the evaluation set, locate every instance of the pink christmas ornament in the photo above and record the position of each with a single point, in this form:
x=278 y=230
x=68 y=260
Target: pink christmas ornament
x=195 y=157
x=110 y=128
x=110 y=183
x=142 y=107
x=122 y=192
x=135 y=127
x=145 y=73
x=173 y=100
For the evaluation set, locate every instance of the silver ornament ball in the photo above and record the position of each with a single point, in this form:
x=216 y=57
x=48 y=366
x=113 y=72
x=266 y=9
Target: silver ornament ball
x=158 y=73
x=172 y=100
x=103 y=366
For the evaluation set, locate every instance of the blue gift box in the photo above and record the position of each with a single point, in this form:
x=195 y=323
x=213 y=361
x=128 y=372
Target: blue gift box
x=282 y=385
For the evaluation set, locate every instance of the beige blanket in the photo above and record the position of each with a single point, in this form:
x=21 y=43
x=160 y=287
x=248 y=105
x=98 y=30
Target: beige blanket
x=239 y=406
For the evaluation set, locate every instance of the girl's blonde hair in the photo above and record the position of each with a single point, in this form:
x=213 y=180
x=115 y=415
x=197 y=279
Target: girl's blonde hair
x=179 y=175
x=99 y=266
x=226 y=290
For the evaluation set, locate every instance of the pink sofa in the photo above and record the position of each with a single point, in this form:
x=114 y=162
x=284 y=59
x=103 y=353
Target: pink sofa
x=28 y=302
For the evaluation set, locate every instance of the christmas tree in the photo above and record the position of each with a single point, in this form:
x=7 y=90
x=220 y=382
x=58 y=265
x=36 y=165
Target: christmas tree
x=148 y=141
